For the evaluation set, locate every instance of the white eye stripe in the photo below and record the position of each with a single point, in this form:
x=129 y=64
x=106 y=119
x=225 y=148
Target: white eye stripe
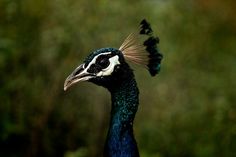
x=94 y=60
x=113 y=62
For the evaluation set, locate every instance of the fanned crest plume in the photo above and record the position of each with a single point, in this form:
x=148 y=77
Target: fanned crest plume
x=141 y=48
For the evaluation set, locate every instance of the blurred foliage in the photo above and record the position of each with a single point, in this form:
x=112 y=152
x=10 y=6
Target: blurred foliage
x=188 y=110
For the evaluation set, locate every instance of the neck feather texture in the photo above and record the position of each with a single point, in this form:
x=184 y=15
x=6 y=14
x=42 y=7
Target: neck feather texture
x=120 y=139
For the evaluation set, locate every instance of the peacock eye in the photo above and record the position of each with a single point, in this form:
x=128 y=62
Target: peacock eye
x=103 y=62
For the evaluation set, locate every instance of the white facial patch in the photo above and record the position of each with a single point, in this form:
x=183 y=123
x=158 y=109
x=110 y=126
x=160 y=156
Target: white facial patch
x=113 y=62
x=94 y=60
x=107 y=71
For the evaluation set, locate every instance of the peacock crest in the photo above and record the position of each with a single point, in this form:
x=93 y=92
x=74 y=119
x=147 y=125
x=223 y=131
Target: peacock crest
x=141 y=48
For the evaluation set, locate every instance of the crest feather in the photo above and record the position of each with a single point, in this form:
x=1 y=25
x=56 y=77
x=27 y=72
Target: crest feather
x=141 y=48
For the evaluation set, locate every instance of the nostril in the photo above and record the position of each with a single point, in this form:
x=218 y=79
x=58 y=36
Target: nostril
x=78 y=71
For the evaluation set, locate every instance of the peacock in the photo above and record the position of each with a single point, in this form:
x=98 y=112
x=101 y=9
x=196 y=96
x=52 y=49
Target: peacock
x=108 y=67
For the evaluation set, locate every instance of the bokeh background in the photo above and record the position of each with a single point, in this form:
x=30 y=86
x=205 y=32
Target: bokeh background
x=188 y=110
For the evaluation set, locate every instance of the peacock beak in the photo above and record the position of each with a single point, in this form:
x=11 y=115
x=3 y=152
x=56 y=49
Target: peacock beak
x=78 y=75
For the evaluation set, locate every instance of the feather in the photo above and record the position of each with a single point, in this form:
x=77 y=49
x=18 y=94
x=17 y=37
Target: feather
x=141 y=48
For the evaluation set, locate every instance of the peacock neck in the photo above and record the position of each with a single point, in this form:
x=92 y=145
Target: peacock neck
x=120 y=140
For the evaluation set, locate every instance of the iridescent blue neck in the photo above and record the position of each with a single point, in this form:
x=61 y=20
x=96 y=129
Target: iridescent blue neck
x=120 y=140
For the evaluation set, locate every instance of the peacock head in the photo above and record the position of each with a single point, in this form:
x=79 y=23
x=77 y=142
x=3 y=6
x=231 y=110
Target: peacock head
x=108 y=66
x=103 y=66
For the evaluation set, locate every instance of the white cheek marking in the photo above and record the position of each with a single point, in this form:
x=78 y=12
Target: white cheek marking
x=113 y=62
x=94 y=60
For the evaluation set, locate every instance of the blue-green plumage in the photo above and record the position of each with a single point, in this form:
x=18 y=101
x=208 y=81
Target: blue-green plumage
x=107 y=67
x=120 y=140
x=124 y=96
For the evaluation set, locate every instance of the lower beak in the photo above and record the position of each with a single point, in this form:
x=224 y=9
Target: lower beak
x=78 y=75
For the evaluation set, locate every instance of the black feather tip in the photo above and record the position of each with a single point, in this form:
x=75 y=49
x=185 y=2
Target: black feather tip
x=154 y=64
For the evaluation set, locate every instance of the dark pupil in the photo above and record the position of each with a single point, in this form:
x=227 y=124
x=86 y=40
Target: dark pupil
x=103 y=62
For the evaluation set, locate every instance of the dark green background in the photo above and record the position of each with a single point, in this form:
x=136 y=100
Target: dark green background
x=188 y=110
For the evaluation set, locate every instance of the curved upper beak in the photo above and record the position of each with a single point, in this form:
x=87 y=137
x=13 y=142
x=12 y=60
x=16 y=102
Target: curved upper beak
x=78 y=75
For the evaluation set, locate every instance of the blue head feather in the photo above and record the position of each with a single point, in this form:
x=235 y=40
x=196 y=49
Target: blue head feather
x=155 y=57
